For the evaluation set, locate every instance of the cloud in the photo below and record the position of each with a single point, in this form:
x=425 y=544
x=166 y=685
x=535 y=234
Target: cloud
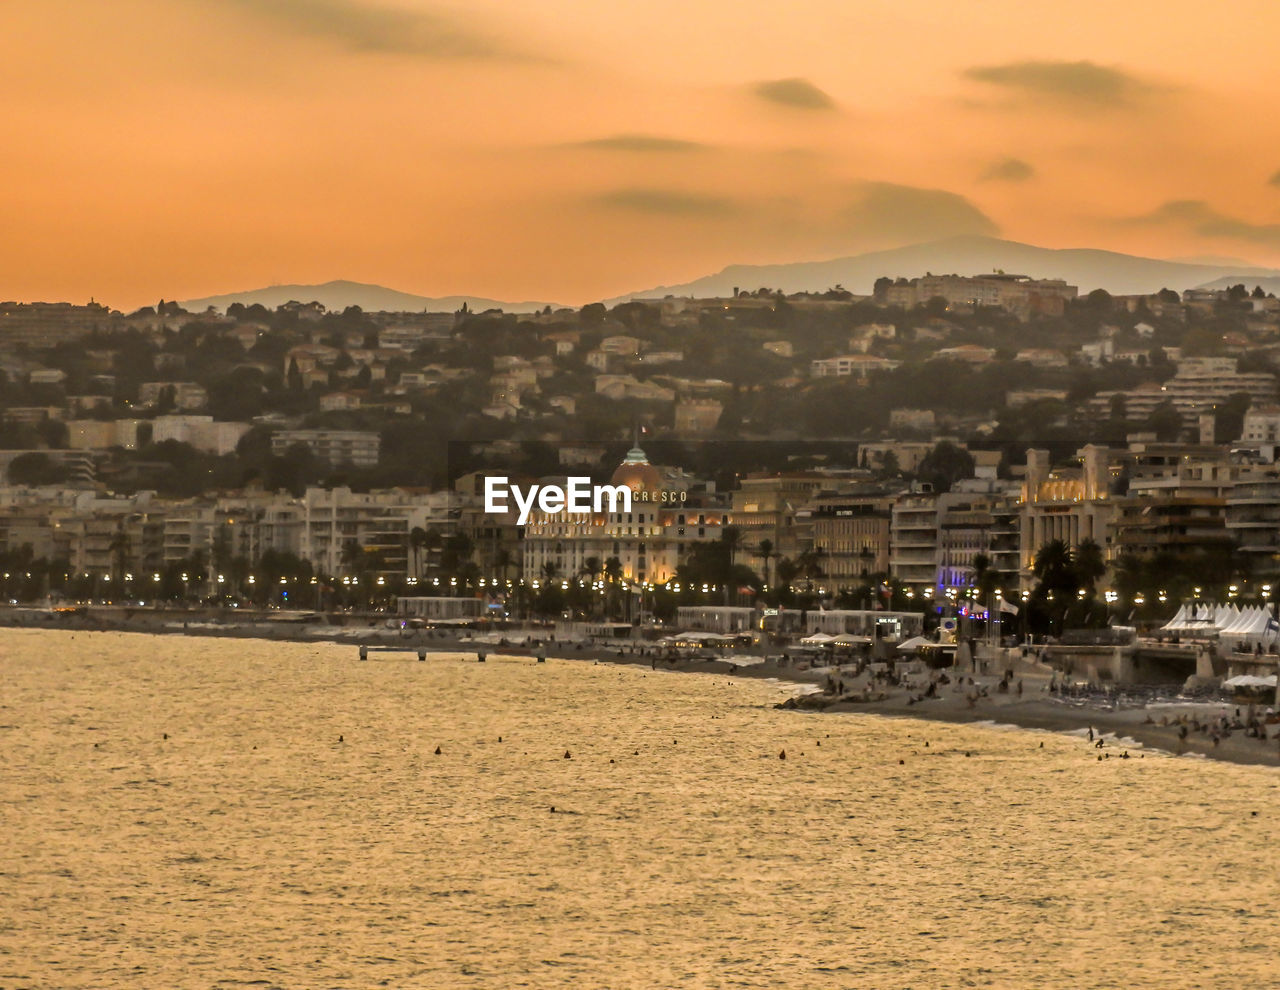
x=640 y=143
x=1202 y=219
x=370 y=27
x=1083 y=84
x=795 y=93
x=908 y=213
x=1008 y=170
x=668 y=202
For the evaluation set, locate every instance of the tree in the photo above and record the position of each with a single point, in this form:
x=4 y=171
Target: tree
x=37 y=469
x=983 y=577
x=1166 y=422
x=1052 y=565
x=455 y=555
x=167 y=400
x=1099 y=299
x=1088 y=563
x=121 y=550
x=613 y=576
x=809 y=565
x=945 y=465
x=1228 y=422
x=765 y=551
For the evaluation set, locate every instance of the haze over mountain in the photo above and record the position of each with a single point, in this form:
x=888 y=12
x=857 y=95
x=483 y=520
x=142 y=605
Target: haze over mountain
x=339 y=294
x=1269 y=283
x=1119 y=274
x=1090 y=269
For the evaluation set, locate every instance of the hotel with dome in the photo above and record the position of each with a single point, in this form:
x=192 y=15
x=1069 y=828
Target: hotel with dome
x=649 y=541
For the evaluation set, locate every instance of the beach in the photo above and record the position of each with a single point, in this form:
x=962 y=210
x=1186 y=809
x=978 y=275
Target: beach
x=1036 y=708
x=194 y=811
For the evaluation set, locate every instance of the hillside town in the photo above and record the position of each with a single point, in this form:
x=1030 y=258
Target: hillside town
x=944 y=443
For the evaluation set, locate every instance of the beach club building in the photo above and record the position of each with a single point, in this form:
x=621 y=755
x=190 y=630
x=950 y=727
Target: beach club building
x=873 y=624
x=717 y=618
x=441 y=609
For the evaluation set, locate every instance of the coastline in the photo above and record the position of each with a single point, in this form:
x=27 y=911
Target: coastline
x=1137 y=728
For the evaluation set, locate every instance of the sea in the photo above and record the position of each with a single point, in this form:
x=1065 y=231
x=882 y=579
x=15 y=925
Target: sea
x=199 y=812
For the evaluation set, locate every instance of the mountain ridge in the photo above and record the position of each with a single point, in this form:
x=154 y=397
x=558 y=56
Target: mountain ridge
x=338 y=294
x=1089 y=268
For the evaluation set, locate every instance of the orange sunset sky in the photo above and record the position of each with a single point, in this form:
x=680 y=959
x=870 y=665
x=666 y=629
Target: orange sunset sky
x=569 y=150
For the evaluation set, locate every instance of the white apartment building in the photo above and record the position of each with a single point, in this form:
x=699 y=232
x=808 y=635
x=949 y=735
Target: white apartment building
x=850 y=365
x=359 y=447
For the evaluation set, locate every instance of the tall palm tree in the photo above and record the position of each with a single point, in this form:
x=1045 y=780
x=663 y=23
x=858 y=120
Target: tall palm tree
x=432 y=541
x=613 y=577
x=1052 y=563
x=121 y=550
x=729 y=544
x=503 y=561
x=1088 y=563
x=788 y=570
x=765 y=551
x=810 y=565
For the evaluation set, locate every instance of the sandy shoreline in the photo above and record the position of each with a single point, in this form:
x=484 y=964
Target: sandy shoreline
x=1119 y=728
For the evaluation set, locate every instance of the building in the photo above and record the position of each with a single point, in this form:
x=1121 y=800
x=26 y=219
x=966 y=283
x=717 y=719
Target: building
x=1202 y=383
x=1019 y=294
x=200 y=432
x=717 y=618
x=697 y=416
x=1184 y=525
x=1262 y=425
x=354 y=534
x=96 y=434
x=869 y=623
x=78 y=464
x=911 y=419
x=648 y=541
x=628 y=387
x=441 y=609
x=968 y=353
x=914 y=539
x=1253 y=522
x=1072 y=504
x=850 y=365
x=851 y=536
x=1041 y=357
x=357 y=447
x=185 y=395
x=764 y=507
x=47 y=324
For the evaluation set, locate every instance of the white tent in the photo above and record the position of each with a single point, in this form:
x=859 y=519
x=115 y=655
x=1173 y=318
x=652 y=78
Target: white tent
x=906 y=646
x=1251 y=680
x=1240 y=622
x=818 y=639
x=1179 y=619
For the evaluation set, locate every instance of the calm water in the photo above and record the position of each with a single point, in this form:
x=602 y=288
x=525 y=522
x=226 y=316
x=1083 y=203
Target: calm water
x=252 y=847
